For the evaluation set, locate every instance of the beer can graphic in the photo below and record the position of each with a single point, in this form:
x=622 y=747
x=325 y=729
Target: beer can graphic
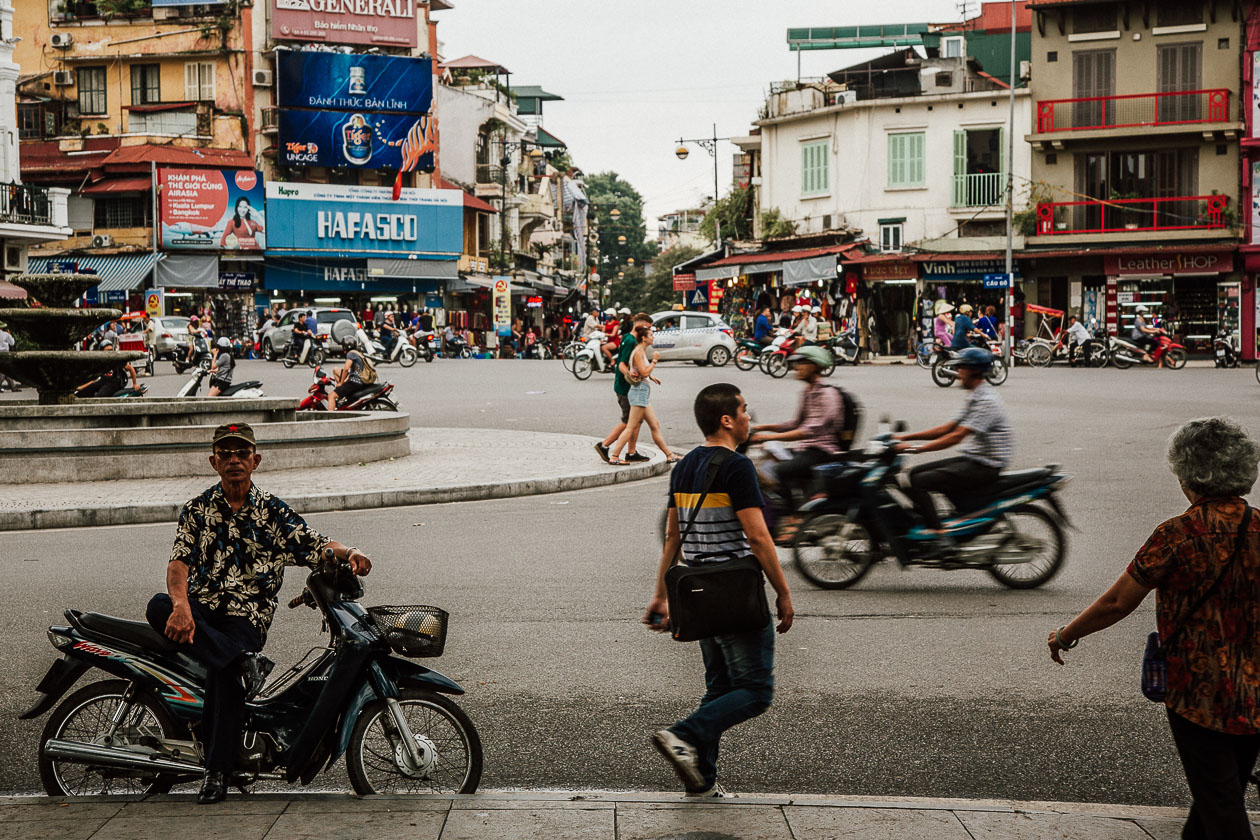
x=358 y=81
x=356 y=140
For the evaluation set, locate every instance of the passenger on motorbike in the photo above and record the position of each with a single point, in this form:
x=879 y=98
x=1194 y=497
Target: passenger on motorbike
x=813 y=431
x=301 y=334
x=763 y=329
x=1143 y=334
x=983 y=428
x=222 y=367
x=113 y=380
x=225 y=572
x=194 y=334
x=964 y=329
x=349 y=377
x=590 y=324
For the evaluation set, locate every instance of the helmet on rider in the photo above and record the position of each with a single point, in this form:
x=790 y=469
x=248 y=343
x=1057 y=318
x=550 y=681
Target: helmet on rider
x=625 y=310
x=816 y=310
x=349 y=342
x=610 y=311
x=976 y=358
x=223 y=343
x=816 y=356
x=1142 y=308
x=797 y=308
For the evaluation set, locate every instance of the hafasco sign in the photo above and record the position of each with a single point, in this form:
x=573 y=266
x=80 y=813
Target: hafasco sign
x=362 y=83
x=358 y=220
x=380 y=22
x=1131 y=264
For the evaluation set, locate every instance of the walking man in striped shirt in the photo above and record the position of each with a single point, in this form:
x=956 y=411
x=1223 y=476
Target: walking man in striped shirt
x=738 y=669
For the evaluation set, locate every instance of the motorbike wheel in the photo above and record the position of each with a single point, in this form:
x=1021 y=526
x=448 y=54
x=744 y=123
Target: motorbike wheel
x=833 y=553
x=288 y=362
x=1027 y=524
x=1120 y=361
x=777 y=366
x=85 y=717
x=719 y=356
x=745 y=358
x=831 y=368
x=408 y=356
x=316 y=357
x=1177 y=358
x=998 y=373
x=1098 y=357
x=378 y=764
x=428 y=355
x=923 y=356
x=567 y=355
x=1038 y=355
x=582 y=367
x=465 y=353
x=381 y=404
x=942 y=375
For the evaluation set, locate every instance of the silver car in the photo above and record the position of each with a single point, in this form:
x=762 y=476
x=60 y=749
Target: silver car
x=699 y=337
x=164 y=334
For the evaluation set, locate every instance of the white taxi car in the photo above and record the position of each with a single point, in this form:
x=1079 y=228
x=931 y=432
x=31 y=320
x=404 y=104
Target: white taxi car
x=700 y=337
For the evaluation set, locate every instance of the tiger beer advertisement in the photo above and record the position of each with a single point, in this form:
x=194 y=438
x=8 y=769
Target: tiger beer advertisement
x=357 y=140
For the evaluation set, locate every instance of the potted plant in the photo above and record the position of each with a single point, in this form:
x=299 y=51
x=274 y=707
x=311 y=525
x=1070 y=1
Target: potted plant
x=1128 y=215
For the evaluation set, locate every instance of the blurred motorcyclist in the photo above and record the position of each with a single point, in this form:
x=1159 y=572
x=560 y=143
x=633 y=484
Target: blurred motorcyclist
x=222 y=367
x=349 y=376
x=301 y=334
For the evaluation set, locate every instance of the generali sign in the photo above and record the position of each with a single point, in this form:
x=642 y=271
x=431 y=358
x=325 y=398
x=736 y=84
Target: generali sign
x=1122 y=265
x=380 y=22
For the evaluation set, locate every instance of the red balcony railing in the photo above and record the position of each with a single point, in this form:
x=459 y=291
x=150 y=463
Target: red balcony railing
x=1133 y=214
x=1134 y=110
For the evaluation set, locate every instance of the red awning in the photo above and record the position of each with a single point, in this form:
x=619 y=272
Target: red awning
x=783 y=256
x=159 y=106
x=179 y=156
x=112 y=186
x=10 y=292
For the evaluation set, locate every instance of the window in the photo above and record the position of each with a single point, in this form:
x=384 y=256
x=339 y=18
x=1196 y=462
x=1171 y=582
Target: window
x=905 y=160
x=199 y=80
x=945 y=80
x=29 y=122
x=122 y=212
x=815 y=179
x=695 y=322
x=173 y=123
x=1183 y=13
x=145 y=85
x=1100 y=18
x=952 y=47
x=890 y=234
x=91 y=82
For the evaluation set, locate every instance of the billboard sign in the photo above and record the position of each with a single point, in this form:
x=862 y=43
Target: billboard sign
x=376 y=22
x=211 y=209
x=357 y=140
x=361 y=82
x=354 y=220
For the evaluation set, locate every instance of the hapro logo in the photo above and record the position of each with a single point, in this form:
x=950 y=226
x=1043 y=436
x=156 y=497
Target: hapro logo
x=396 y=227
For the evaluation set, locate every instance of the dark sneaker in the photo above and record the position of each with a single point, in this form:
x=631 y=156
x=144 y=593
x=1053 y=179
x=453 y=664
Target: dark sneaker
x=635 y=457
x=603 y=451
x=682 y=756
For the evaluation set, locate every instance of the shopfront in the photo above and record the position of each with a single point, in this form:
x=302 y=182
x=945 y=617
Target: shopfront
x=354 y=246
x=122 y=277
x=891 y=302
x=1199 y=295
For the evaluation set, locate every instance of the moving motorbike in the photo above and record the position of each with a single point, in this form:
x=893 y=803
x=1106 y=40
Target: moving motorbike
x=591 y=358
x=312 y=353
x=201 y=356
x=945 y=369
x=402 y=351
x=1013 y=529
x=136 y=733
x=1126 y=353
x=250 y=389
x=423 y=341
x=456 y=348
x=369 y=398
x=1223 y=350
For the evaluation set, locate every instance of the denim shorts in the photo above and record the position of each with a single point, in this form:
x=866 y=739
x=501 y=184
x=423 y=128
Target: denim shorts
x=639 y=394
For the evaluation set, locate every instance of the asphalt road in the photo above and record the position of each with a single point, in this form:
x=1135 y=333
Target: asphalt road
x=917 y=683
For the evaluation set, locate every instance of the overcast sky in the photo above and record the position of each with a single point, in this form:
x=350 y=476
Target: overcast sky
x=636 y=75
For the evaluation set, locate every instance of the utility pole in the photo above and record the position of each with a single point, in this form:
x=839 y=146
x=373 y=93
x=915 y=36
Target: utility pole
x=1008 y=350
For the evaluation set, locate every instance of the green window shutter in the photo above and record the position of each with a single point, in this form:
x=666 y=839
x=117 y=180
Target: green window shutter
x=960 y=169
x=814 y=169
x=896 y=161
x=916 y=154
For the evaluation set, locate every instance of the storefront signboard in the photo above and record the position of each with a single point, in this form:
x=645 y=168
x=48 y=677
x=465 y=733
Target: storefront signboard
x=1149 y=264
x=211 y=209
x=358 y=140
x=533 y=302
x=892 y=270
x=326 y=81
x=953 y=270
x=1124 y=297
x=501 y=303
x=379 y=22
x=153 y=302
x=237 y=281
x=352 y=221
x=684 y=281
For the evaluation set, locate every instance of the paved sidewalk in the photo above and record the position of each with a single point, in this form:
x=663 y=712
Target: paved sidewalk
x=573 y=816
x=445 y=465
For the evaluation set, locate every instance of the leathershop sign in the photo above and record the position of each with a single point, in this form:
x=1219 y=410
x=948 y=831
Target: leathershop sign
x=384 y=22
x=1122 y=265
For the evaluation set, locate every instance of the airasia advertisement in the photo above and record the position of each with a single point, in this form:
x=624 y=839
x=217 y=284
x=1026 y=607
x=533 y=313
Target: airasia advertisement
x=374 y=22
x=358 y=140
x=211 y=209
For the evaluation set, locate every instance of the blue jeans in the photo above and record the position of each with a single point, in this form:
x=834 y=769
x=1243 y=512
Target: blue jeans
x=739 y=675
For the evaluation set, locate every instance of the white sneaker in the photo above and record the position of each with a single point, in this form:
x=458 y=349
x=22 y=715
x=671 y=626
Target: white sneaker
x=680 y=754
x=715 y=792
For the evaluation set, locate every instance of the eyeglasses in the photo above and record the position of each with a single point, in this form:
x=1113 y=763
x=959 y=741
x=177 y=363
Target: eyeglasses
x=229 y=454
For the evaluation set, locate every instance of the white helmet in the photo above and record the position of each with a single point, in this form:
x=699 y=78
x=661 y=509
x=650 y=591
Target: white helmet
x=1142 y=308
x=224 y=343
x=816 y=310
x=797 y=308
x=625 y=310
x=610 y=311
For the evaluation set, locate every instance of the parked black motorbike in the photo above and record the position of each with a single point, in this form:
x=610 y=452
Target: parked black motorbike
x=1223 y=350
x=137 y=733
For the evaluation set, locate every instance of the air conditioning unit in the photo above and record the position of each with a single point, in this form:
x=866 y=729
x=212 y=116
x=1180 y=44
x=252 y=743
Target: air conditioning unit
x=1025 y=70
x=61 y=40
x=102 y=240
x=262 y=78
x=13 y=259
x=63 y=78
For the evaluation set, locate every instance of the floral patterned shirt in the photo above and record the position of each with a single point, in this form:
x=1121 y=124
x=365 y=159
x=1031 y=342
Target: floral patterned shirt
x=1214 y=664
x=236 y=560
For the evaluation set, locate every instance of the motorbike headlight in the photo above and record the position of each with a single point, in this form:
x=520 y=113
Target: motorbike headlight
x=59 y=641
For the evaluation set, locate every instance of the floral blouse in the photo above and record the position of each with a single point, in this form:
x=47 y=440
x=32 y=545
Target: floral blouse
x=236 y=560
x=1214 y=664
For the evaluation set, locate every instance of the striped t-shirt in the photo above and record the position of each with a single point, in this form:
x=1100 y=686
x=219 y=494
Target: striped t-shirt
x=717 y=534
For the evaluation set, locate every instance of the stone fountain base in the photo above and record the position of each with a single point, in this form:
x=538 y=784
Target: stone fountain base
x=96 y=440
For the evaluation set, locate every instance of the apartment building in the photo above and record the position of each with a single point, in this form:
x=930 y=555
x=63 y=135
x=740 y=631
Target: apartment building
x=1135 y=195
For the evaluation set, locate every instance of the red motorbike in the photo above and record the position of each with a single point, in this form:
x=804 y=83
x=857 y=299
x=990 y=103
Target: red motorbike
x=368 y=398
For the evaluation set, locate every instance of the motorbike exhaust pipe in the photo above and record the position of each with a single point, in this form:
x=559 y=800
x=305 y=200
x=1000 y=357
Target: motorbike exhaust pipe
x=95 y=754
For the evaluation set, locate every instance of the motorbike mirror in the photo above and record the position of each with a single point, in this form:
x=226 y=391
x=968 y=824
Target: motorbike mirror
x=900 y=426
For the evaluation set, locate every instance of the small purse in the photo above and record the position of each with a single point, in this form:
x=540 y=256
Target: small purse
x=715 y=599
x=1155 y=657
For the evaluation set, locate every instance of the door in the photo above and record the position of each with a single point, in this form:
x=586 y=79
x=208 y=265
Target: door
x=1180 y=68
x=1093 y=76
x=668 y=336
x=283 y=332
x=696 y=332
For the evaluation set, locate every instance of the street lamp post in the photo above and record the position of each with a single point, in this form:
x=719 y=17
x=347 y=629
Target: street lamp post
x=709 y=144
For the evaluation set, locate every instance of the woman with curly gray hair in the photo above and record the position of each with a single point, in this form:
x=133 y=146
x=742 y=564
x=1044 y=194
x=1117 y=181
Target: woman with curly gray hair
x=1205 y=568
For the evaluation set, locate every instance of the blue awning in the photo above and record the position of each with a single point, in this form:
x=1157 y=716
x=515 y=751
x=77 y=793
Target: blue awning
x=118 y=273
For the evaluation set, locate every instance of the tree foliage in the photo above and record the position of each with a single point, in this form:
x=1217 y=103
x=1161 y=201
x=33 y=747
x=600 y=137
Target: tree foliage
x=773 y=224
x=651 y=291
x=734 y=211
x=608 y=190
